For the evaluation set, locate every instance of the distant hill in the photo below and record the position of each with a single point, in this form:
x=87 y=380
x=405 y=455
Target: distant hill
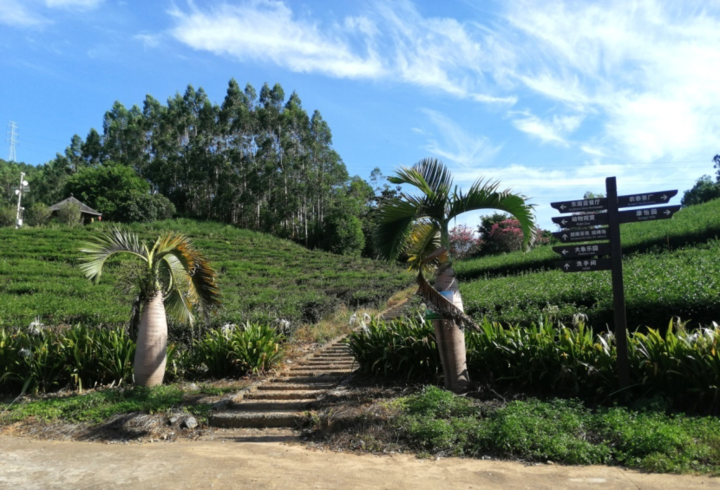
x=261 y=277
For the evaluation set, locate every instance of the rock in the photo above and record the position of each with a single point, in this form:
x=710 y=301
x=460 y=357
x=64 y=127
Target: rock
x=189 y=422
x=173 y=419
x=221 y=404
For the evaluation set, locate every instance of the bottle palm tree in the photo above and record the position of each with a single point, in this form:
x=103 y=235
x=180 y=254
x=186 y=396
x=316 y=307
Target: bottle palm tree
x=417 y=225
x=174 y=279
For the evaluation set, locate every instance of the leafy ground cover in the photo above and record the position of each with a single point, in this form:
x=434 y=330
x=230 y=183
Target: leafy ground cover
x=679 y=368
x=262 y=278
x=433 y=422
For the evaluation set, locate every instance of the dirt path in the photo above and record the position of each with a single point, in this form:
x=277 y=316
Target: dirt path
x=255 y=462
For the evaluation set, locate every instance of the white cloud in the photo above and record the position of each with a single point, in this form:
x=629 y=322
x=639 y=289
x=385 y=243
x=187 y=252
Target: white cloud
x=148 y=40
x=73 y=4
x=458 y=145
x=17 y=14
x=648 y=69
x=390 y=41
x=552 y=131
x=268 y=31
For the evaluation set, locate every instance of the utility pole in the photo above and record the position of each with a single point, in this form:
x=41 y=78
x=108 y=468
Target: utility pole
x=13 y=140
x=19 y=192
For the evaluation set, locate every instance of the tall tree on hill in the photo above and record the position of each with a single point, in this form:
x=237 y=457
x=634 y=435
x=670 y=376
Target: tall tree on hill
x=175 y=279
x=422 y=221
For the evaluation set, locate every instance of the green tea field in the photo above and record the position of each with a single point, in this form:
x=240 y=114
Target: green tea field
x=261 y=278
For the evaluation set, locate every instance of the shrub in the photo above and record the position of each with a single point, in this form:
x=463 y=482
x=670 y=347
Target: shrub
x=69 y=214
x=38 y=214
x=7 y=216
x=144 y=208
x=236 y=351
x=547 y=358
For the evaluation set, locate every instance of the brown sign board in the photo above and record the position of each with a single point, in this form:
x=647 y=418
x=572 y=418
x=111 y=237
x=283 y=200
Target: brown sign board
x=649 y=214
x=588 y=219
x=581 y=251
x=584 y=265
x=595 y=204
x=583 y=235
x=646 y=199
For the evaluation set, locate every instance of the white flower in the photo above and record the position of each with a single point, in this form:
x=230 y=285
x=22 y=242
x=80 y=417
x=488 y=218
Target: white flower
x=35 y=327
x=227 y=329
x=366 y=318
x=25 y=353
x=353 y=320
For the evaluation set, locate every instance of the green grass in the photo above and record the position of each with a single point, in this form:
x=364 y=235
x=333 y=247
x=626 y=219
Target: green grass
x=261 y=277
x=99 y=406
x=561 y=431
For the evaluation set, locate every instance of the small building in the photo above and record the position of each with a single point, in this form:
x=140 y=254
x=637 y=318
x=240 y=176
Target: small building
x=87 y=213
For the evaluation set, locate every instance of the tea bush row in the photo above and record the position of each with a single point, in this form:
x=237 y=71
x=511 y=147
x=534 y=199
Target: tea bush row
x=262 y=278
x=684 y=283
x=39 y=359
x=692 y=225
x=680 y=367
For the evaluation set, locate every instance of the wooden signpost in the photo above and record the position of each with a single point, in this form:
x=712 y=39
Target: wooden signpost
x=600 y=219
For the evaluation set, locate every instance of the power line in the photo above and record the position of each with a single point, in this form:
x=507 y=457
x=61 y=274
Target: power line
x=12 y=139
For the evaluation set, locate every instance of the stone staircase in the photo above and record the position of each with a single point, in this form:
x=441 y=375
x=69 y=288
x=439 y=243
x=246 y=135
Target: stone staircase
x=288 y=399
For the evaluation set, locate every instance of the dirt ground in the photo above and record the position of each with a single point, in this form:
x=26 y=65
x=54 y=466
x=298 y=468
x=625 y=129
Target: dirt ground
x=260 y=459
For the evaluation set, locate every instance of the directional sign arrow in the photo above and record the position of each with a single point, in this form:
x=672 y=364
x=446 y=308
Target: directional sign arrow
x=584 y=265
x=597 y=204
x=648 y=214
x=646 y=199
x=575 y=251
x=582 y=235
x=587 y=219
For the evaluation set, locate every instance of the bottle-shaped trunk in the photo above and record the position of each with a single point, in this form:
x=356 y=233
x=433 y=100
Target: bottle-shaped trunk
x=450 y=339
x=151 y=352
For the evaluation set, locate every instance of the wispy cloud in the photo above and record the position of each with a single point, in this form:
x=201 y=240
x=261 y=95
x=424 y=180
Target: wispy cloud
x=554 y=130
x=268 y=31
x=456 y=144
x=389 y=41
x=647 y=68
x=73 y=4
x=18 y=14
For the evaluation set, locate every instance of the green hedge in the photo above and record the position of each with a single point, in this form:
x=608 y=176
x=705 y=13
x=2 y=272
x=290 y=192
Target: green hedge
x=681 y=367
x=39 y=359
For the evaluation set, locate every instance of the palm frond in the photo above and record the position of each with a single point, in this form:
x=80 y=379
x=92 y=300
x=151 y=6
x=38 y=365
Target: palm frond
x=423 y=240
x=176 y=289
x=484 y=195
x=102 y=247
x=430 y=176
x=394 y=221
x=189 y=268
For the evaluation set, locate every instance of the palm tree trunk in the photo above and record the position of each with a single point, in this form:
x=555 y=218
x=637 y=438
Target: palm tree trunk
x=450 y=339
x=151 y=352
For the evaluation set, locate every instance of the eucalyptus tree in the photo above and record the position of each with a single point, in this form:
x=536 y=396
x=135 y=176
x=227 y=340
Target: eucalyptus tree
x=418 y=225
x=174 y=278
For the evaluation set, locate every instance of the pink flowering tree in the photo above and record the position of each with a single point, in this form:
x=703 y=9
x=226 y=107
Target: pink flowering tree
x=463 y=241
x=506 y=235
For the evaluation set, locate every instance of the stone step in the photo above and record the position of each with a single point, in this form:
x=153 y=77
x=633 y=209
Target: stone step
x=318 y=372
x=322 y=378
x=232 y=419
x=284 y=395
x=264 y=406
x=296 y=386
x=314 y=365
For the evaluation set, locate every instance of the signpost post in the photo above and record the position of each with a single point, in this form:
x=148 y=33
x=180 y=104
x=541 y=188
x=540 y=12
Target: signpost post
x=589 y=225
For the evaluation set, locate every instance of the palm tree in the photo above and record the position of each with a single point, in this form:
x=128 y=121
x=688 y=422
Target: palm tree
x=174 y=278
x=418 y=227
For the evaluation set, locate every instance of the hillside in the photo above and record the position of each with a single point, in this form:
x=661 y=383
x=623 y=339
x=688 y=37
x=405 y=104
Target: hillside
x=671 y=268
x=261 y=277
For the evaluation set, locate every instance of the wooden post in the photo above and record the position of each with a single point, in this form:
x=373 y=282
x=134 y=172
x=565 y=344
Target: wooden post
x=617 y=282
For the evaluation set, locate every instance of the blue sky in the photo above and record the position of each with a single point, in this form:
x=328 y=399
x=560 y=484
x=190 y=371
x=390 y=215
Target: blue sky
x=549 y=97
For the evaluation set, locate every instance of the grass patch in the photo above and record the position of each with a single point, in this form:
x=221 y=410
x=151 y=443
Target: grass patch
x=433 y=422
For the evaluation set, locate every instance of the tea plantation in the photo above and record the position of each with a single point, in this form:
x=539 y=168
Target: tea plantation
x=671 y=269
x=262 y=278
